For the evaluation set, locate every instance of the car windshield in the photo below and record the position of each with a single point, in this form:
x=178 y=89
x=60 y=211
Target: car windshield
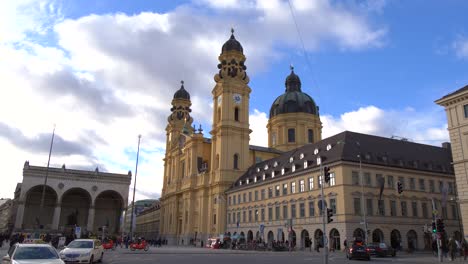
x=35 y=253
x=81 y=244
x=383 y=245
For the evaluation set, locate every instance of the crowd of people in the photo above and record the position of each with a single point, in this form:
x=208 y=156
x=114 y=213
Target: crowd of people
x=451 y=248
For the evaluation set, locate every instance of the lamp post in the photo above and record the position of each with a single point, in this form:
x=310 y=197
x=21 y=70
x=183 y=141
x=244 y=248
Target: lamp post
x=134 y=188
x=364 y=213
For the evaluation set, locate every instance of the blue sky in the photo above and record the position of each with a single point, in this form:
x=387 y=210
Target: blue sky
x=105 y=71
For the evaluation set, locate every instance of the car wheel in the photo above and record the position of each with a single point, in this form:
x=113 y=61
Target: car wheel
x=102 y=256
x=91 y=260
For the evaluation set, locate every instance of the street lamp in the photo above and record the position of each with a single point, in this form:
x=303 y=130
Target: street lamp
x=134 y=188
x=364 y=218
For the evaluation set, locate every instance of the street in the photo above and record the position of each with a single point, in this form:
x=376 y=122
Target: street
x=203 y=256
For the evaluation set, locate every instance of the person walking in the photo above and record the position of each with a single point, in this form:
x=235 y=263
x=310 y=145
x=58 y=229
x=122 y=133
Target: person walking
x=452 y=248
x=464 y=249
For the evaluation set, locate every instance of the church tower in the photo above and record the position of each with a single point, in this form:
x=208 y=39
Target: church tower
x=294 y=118
x=230 y=131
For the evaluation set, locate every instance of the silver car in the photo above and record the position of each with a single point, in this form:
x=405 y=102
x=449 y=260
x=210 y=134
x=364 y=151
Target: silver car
x=32 y=253
x=83 y=251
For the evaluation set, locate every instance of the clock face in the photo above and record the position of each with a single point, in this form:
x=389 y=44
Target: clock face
x=237 y=98
x=219 y=100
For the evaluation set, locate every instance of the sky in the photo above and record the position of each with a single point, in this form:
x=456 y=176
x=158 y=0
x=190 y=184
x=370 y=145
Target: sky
x=103 y=72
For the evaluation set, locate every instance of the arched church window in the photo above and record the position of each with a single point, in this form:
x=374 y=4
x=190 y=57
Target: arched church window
x=236 y=161
x=236 y=114
x=273 y=138
x=291 y=135
x=310 y=135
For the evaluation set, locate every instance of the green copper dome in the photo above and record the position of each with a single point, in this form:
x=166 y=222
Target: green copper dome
x=293 y=100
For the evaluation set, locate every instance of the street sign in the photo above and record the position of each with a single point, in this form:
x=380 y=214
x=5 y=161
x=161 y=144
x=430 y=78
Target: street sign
x=78 y=232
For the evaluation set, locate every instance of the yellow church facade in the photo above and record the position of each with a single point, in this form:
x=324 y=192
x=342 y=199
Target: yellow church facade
x=223 y=185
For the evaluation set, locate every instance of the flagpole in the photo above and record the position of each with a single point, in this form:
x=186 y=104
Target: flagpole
x=47 y=169
x=134 y=188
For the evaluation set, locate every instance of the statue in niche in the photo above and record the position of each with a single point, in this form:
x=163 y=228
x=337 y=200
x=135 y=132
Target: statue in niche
x=72 y=219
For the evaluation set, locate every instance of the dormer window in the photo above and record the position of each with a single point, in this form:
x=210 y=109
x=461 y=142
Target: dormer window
x=258 y=169
x=291 y=159
x=273 y=174
x=301 y=156
x=316 y=151
x=282 y=171
x=255 y=179
x=305 y=164
x=264 y=176
x=275 y=164
x=247 y=181
x=329 y=146
x=293 y=167
x=266 y=167
x=240 y=183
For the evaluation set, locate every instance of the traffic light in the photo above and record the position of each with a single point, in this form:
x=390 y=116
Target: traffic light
x=326 y=172
x=400 y=187
x=329 y=215
x=434 y=228
x=440 y=226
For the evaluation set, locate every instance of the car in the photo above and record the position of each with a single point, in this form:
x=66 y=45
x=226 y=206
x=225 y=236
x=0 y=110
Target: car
x=32 y=253
x=381 y=250
x=358 y=251
x=83 y=251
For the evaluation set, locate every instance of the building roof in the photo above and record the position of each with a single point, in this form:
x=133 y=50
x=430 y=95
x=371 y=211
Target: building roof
x=463 y=89
x=182 y=93
x=349 y=146
x=232 y=44
x=265 y=149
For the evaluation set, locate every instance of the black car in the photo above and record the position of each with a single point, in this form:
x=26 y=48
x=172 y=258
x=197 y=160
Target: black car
x=358 y=251
x=381 y=250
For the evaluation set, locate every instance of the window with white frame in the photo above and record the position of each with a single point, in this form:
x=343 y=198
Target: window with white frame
x=293 y=187
x=311 y=183
x=301 y=186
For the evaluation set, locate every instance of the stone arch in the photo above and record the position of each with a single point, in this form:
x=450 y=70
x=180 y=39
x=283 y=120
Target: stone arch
x=412 y=238
x=292 y=238
x=335 y=241
x=305 y=239
x=242 y=237
x=249 y=236
x=75 y=204
x=108 y=208
x=359 y=234
x=395 y=238
x=318 y=237
x=270 y=237
x=377 y=236
x=280 y=235
x=36 y=217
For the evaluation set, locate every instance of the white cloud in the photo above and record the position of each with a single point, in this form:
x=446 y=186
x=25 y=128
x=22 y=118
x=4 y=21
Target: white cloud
x=258 y=121
x=460 y=45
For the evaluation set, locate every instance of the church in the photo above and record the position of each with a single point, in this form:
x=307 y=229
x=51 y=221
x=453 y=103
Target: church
x=224 y=186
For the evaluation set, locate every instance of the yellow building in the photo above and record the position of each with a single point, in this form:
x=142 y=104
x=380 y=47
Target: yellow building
x=223 y=185
x=147 y=222
x=456 y=107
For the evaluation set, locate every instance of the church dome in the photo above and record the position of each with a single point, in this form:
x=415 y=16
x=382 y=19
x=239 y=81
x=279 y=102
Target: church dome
x=182 y=93
x=232 y=44
x=293 y=100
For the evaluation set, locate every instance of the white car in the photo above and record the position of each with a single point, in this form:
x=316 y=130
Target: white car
x=83 y=251
x=32 y=253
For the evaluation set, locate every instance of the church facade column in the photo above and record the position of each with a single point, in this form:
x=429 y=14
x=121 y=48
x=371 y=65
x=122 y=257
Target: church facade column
x=56 y=218
x=90 y=225
x=19 y=215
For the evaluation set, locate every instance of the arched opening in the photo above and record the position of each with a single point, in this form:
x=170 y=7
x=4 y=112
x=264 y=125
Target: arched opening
x=310 y=136
x=412 y=239
x=270 y=237
x=108 y=209
x=395 y=239
x=249 y=236
x=242 y=238
x=291 y=135
x=280 y=235
x=36 y=217
x=318 y=237
x=292 y=238
x=236 y=161
x=334 y=240
x=377 y=236
x=359 y=234
x=75 y=209
x=236 y=114
x=305 y=239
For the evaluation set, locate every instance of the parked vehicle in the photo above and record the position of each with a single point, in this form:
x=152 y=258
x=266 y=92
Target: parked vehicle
x=358 y=251
x=140 y=244
x=83 y=250
x=213 y=243
x=109 y=244
x=381 y=250
x=32 y=253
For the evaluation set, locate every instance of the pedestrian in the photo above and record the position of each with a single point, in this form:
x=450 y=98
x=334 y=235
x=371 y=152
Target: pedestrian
x=452 y=247
x=464 y=250
x=345 y=243
x=434 y=248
